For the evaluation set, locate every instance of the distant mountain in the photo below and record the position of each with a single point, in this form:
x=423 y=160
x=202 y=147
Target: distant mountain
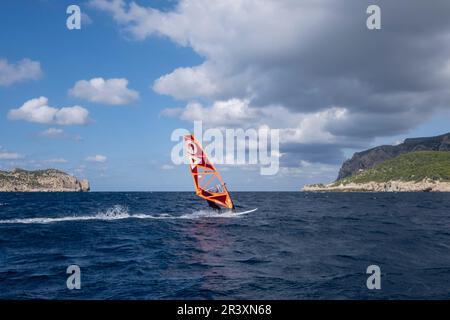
x=50 y=180
x=369 y=158
x=412 y=166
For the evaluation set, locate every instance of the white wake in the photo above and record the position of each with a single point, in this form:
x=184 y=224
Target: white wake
x=119 y=212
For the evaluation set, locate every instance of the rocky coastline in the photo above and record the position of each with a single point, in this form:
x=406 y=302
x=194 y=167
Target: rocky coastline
x=425 y=185
x=49 y=180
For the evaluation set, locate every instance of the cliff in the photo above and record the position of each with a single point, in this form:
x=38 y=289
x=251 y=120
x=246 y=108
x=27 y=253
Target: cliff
x=410 y=172
x=369 y=158
x=50 y=180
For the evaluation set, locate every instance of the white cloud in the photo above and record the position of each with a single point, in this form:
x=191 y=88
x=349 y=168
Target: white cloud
x=57 y=133
x=236 y=38
x=52 y=133
x=304 y=136
x=221 y=113
x=10 y=156
x=56 y=160
x=96 y=158
x=184 y=83
x=295 y=127
x=313 y=127
x=5 y=155
x=304 y=55
x=23 y=70
x=309 y=67
x=37 y=110
x=110 y=91
x=71 y=115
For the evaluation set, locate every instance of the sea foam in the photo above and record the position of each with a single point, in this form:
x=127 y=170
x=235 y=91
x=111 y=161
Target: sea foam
x=119 y=212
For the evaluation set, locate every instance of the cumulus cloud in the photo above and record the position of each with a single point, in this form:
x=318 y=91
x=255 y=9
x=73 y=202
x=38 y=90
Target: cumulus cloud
x=23 y=70
x=110 y=91
x=38 y=111
x=312 y=62
x=184 y=83
x=303 y=135
x=96 y=158
x=221 y=113
x=296 y=127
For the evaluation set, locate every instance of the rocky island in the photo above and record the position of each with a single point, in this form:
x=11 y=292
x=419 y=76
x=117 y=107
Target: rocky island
x=50 y=180
x=419 y=164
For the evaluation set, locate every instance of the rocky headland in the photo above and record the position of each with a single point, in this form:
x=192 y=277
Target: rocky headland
x=50 y=180
x=416 y=165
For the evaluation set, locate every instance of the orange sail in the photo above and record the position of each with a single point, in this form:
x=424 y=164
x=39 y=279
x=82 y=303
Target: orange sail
x=207 y=180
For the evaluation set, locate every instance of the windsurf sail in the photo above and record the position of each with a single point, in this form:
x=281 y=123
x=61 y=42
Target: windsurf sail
x=207 y=181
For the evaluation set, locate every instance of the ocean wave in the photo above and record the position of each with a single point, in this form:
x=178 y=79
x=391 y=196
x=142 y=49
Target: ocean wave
x=119 y=212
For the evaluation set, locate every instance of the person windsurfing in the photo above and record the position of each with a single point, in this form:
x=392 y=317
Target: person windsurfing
x=207 y=180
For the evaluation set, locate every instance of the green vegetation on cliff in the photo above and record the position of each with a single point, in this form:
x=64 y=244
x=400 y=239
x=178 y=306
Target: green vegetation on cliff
x=412 y=166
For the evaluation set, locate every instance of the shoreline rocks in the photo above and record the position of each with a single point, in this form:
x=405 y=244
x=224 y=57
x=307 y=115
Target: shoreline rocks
x=426 y=185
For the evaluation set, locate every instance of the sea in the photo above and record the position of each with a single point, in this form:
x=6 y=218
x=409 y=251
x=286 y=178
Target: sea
x=169 y=245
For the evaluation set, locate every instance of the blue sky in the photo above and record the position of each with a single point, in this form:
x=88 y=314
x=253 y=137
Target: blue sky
x=127 y=146
x=133 y=137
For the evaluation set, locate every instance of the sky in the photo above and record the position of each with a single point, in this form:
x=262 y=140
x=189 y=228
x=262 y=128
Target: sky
x=102 y=102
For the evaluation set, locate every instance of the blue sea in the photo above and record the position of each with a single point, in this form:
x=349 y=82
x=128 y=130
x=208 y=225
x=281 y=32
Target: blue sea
x=171 y=246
